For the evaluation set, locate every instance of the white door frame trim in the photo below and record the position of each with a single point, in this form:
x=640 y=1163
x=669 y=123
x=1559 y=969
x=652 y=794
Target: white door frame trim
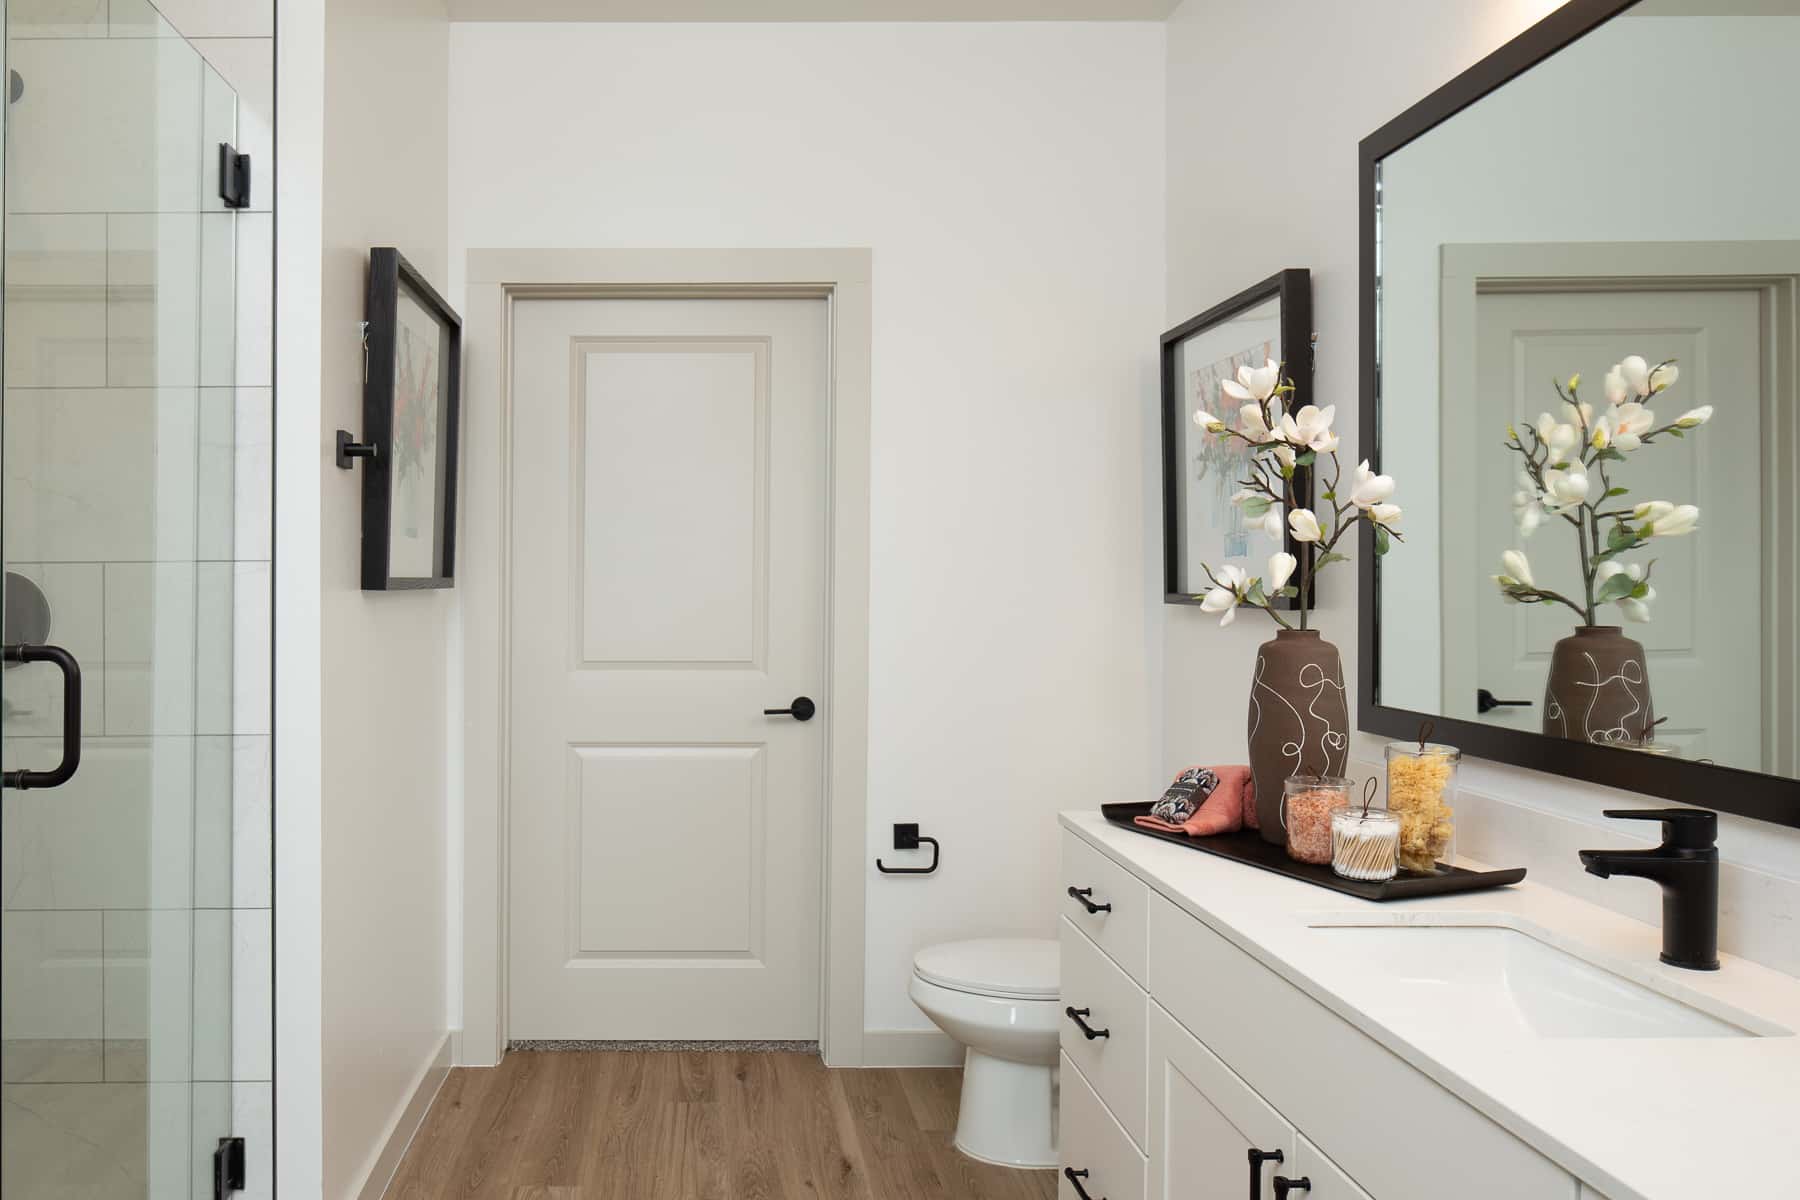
x=498 y=278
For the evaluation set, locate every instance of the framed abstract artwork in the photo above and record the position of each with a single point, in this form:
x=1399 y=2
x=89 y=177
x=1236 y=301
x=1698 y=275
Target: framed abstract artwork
x=410 y=397
x=1202 y=470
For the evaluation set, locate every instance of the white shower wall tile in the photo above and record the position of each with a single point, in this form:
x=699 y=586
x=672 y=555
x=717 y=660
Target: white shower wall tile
x=50 y=969
x=252 y=648
x=111 y=126
x=252 y=978
x=253 y=483
x=56 y=301
x=212 y=1018
x=103 y=475
x=117 y=835
x=252 y=869
x=216 y=484
x=150 y=972
x=214 y=647
x=153 y=299
x=253 y=1119
x=218 y=299
x=150 y=647
x=215 y=833
x=56 y=18
x=255 y=299
x=33 y=701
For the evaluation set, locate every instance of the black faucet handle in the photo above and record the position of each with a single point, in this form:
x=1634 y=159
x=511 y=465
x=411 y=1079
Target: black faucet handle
x=1683 y=828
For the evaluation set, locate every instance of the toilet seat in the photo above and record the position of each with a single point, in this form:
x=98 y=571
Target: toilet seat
x=1004 y=968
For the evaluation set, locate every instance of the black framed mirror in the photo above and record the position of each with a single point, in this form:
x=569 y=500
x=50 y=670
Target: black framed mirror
x=1580 y=344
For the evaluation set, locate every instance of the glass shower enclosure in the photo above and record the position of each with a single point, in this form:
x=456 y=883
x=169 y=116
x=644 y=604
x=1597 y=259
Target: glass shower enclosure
x=135 y=901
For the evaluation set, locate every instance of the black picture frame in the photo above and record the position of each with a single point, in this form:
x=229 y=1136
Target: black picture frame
x=1293 y=289
x=391 y=351
x=1771 y=798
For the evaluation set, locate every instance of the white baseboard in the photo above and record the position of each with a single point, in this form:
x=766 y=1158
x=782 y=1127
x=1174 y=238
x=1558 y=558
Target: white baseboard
x=910 y=1048
x=406 y=1123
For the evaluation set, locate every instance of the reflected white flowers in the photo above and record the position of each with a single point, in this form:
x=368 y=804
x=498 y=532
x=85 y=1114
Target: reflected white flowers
x=1624 y=584
x=1253 y=425
x=1369 y=489
x=1693 y=418
x=1281 y=569
x=1560 y=437
x=1565 y=490
x=1273 y=522
x=1387 y=515
x=1677 y=520
x=1303 y=525
x=1254 y=383
x=1624 y=427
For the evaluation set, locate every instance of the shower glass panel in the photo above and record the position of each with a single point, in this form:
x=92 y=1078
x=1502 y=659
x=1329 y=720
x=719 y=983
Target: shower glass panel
x=118 y=421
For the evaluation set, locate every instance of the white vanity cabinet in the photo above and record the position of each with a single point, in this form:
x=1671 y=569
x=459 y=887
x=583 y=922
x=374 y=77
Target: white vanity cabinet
x=1235 y=1058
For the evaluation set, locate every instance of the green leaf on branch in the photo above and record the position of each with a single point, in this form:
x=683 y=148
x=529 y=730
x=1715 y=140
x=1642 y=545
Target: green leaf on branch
x=1255 y=594
x=1608 y=454
x=1619 y=537
x=1618 y=491
x=1382 y=541
x=1306 y=460
x=1326 y=560
x=1288 y=592
x=1616 y=588
x=1331 y=496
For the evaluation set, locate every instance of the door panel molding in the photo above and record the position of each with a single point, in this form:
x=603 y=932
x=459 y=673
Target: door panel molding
x=496 y=280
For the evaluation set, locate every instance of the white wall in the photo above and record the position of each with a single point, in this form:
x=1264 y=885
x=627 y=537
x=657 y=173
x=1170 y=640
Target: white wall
x=1273 y=184
x=1009 y=180
x=383 y=792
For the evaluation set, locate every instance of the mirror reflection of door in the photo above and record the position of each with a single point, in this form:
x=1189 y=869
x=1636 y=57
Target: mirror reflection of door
x=1704 y=643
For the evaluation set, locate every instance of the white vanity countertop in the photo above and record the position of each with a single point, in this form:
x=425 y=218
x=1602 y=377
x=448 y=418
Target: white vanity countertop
x=1636 y=1118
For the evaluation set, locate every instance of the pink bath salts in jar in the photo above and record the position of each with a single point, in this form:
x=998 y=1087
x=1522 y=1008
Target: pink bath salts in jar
x=1306 y=806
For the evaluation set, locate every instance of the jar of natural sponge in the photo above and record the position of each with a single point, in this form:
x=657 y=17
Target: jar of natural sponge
x=1421 y=779
x=1306 y=805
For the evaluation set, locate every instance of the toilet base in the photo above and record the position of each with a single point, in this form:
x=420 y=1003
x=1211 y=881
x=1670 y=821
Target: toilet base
x=1008 y=1112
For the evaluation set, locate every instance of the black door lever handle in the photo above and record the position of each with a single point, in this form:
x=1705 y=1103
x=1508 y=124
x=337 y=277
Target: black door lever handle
x=1486 y=701
x=802 y=709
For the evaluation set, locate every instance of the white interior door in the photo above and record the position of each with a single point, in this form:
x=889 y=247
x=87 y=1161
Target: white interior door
x=668 y=585
x=1704 y=641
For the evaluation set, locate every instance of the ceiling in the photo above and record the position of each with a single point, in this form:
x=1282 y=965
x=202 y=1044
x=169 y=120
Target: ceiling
x=810 y=10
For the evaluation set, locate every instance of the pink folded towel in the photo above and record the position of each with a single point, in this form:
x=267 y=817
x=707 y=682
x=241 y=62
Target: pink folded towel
x=1229 y=807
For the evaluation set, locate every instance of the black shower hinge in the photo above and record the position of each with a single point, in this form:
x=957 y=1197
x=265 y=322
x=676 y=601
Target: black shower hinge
x=228 y=1167
x=234 y=177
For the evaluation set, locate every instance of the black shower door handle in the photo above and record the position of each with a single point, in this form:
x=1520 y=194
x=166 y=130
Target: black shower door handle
x=71 y=752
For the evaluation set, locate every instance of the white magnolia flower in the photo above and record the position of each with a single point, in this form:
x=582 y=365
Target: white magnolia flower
x=1254 y=383
x=1633 y=608
x=1209 y=422
x=1564 y=490
x=1625 y=426
x=1370 y=489
x=1281 y=569
x=1385 y=514
x=1284 y=454
x=1680 y=519
x=1560 y=437
x=1693 y=418
x=1304 y=525
x=1273 y=522
x=1617 y=390
x=1637 y=608
x=1253 y=425
x=1516 y=567
x=1311 y=428
x=1652 y=510
x=1663 y=376
x=1636 y=373
x=1230 y=586
x=1528 y=512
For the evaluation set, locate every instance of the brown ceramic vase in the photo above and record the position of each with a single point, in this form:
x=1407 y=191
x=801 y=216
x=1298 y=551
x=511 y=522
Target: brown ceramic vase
x=1299 y=719
x=1599 y=689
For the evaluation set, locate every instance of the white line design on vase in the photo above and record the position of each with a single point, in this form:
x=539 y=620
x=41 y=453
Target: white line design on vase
x=1330 y=740
x=1625 y=678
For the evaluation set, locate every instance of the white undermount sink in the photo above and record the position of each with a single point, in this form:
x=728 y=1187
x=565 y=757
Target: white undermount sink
x=1494 y=972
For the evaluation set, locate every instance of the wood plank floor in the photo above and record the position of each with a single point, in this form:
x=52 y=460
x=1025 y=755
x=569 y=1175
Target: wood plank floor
x=578 y=1125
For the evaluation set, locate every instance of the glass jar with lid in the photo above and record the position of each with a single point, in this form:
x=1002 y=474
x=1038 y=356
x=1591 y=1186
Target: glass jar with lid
x=1421 y=788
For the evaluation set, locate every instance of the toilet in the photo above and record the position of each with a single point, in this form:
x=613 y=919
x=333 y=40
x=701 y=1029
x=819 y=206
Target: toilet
x=999 y=997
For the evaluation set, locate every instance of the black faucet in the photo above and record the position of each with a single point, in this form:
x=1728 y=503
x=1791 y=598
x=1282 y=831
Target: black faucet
x=1687 y=867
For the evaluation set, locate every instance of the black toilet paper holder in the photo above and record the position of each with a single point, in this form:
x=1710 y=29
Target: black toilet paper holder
x=908 y=837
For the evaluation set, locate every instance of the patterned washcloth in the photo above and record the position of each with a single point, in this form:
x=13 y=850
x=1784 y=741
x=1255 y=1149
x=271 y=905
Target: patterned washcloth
x=1206 y=800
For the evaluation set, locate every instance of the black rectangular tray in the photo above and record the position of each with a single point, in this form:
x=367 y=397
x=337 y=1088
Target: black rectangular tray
x=1249 y=848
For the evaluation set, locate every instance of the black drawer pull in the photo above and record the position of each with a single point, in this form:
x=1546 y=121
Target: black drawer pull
x=1088 y=1031
x=1085 y=896
x=1257 y=1159
x=1075 y=1177
x=1283 y=1186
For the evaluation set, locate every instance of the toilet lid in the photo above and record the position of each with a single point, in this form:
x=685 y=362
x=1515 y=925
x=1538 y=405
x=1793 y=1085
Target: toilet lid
x=1023 y=968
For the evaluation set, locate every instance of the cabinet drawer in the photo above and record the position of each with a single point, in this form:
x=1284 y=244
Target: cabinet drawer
x=1328 y=1183
x=1118 y=930
x=1396 y=1132
x=1113 y=1064
x=1092 y=1141
x=1204 y=1121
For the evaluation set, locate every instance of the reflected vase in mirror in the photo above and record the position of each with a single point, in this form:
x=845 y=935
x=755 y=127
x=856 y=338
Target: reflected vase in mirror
x=1299 y=719
x=1599 y=689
